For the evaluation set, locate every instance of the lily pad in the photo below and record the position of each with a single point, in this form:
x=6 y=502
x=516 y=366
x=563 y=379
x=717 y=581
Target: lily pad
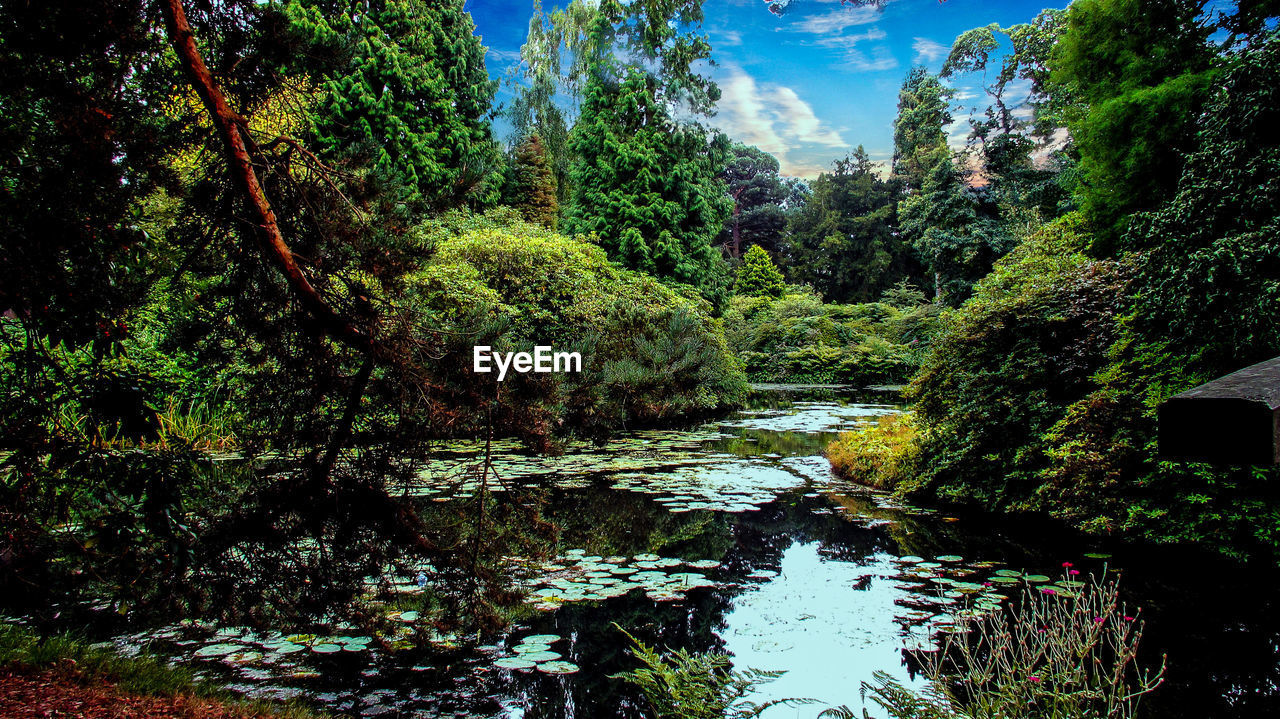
x=541 y=639
x=558 y=667
x=219 y=650
x=950 y=558
x=514 y=663
x=326 y=648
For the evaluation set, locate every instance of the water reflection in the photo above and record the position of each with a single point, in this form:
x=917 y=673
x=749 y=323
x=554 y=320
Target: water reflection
x=809 y=580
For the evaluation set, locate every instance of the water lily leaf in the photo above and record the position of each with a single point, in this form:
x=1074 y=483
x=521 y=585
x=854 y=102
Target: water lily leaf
x=541 y=639
x=558 y=667
x=542 y=656
x=219 y=650
x=326 y=648
x=1008 y=573
x=514 y=663
x=1036 y=578
x=950 y=558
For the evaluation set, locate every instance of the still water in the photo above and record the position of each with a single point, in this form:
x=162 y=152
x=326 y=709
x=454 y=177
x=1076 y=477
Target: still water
x=735 y=537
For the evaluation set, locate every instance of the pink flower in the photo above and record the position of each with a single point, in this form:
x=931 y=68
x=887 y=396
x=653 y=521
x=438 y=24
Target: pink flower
x=1128 y=619
x=1033 y=678
x=1073 y=572
x=1048 y=591
x=986 y=584
x=1099 y=620
x=1067 y=564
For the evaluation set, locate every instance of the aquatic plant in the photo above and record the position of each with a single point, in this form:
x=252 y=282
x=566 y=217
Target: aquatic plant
x=1066 y=653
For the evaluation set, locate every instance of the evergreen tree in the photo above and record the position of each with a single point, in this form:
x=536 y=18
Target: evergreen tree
x=760 y=197
x=956 y=237
x=918 y=128
x=646 y=184
x=404 y=91
x=843 y=240
x=532 y=185
x=1133 y=75
x=758 y=276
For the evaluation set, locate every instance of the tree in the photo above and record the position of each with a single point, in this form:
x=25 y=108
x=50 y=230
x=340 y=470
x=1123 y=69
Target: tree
x=843 y=240
x=760 y=199
x=758 y=276
x=647 y=185
x=532 y=185
x=918 y=128
x=403 y=92
x=1004 y=140
x=1133 y=75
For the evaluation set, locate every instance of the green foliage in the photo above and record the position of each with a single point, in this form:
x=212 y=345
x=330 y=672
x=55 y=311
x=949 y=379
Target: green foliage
x=843 y=240
x=956 y=240
x=761 y=198
x=1132 y=75
x=532 y=184
x=758 y=276
x=22 y=649
x=647 y=186
x=883 y=455
x=1027 y=344
x=918 y=127
x=1057 y=655
x=650 y=352
x=685 y=685
x=797 y=338
x=403 y=92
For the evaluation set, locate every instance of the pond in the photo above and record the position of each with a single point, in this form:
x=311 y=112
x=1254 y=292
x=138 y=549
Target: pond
x=735 y=536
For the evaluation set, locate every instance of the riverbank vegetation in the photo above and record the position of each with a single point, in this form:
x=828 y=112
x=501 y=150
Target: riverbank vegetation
x=250 y=247
x=1040 y=391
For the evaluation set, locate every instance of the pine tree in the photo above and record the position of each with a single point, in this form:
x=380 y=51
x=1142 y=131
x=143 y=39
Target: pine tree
x=532 y=185
x=918 y=128
x=405 y=93
x=758 y=276
x=844 y=240
x=647 y=185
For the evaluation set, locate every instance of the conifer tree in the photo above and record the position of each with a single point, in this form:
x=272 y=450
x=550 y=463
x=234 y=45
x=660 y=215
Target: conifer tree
x=404 y=92
x=648 y=186
x=758 y=276
x=532 y=184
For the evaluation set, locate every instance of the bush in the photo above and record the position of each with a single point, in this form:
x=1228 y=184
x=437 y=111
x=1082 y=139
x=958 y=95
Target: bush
x=1069 y=655
x=797 y=338
x=1008 y=363
x=652 y=351
x=882 y=455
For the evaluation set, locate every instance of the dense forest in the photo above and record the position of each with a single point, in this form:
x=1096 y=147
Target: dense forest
x=249 y=247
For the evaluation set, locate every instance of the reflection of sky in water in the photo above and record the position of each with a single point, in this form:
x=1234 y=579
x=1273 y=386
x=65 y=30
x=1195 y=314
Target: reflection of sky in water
x=811 y=622
x=810 y=417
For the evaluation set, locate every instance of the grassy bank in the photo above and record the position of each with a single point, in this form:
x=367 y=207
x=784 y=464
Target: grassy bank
x=71 y=663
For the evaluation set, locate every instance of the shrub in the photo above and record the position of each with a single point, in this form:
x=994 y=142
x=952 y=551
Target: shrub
x=882 y=455
x=652 y=351
x=1007 y=364
x=1056 y=655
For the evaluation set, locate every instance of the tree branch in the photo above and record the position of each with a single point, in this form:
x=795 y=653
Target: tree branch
x=233 y=129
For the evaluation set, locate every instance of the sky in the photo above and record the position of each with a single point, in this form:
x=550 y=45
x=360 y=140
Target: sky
x=813 y=83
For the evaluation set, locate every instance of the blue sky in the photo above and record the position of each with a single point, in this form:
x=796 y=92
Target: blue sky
x=813 y=83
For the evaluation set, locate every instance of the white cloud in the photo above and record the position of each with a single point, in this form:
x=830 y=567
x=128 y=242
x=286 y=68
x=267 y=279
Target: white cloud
x=726 y=38
x=836 y=21
x=929 y=50
x=801 y=123
x=772 y=117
